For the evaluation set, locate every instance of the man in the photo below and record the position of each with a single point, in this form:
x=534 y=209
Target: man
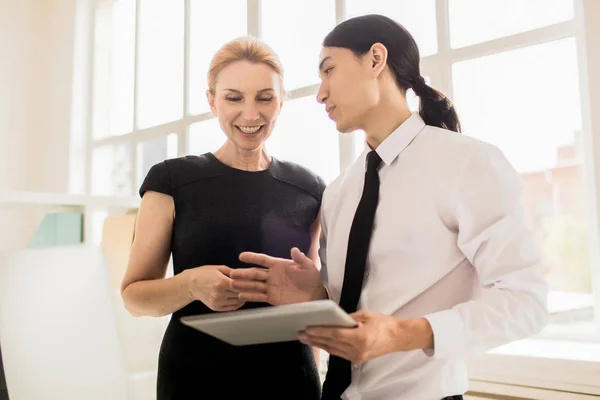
x=423 y=234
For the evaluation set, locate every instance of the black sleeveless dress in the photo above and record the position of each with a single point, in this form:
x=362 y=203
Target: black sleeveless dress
x=220 y=212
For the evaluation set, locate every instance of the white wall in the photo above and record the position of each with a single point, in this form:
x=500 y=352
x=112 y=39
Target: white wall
x=15 y=23
x=38 y=82
x=37 y=53
x=51 y=44
x=14 y=47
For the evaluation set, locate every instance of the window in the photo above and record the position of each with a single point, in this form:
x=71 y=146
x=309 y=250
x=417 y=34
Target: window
x=212 y=24
x=513 y=81
x=160 y=87
x=283 y=26
x=153 y=151
x=123 y=64
x=418 y=17
x=476 y=21
x=111 y=169
x=206 y=136
x=114 y=68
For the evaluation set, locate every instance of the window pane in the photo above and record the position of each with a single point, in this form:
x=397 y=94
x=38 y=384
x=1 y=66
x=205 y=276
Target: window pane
x=160 y=82
x=101 y=85
x=507 y=99
x=476 y=21
x=212 y=24
x=305 y=135
x=114 y=58
x=111 y=171
x=205 y=136
x=418 y=17
x=284 y=27
x=123 y=63
x=152 y=152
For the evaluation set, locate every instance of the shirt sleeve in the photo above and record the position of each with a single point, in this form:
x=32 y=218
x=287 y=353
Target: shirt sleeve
x=157 y=180
x=512 y=302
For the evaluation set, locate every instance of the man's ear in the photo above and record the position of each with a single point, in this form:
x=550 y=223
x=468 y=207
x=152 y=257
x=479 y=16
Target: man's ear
x=377 y=55
x=211 y=102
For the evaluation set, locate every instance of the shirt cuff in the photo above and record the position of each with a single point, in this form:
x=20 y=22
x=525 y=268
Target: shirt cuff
x=448 y=335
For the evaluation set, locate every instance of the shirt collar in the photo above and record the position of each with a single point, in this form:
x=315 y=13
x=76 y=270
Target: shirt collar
x=398 y=140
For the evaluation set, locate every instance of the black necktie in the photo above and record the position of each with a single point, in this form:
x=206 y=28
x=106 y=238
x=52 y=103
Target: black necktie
x=339 y=372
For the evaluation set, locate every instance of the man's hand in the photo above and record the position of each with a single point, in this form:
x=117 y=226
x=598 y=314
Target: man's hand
x=376 y=335
x=280 y=280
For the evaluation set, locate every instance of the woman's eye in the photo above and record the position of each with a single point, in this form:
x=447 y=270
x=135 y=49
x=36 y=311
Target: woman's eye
x=233 y=99
x=266 y=99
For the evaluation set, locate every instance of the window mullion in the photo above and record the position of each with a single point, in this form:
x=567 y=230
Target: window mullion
x=587 y=19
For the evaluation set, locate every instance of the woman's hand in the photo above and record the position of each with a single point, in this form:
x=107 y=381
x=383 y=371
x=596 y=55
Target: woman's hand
x=212 y=285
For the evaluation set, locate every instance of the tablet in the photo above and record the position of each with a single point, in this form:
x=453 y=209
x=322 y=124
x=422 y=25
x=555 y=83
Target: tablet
x=269 y=324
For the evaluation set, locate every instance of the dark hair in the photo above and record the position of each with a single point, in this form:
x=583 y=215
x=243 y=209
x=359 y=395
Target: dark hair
x=360 y=33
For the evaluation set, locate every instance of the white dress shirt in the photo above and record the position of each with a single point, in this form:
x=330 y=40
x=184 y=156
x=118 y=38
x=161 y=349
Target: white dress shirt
x=449 y=244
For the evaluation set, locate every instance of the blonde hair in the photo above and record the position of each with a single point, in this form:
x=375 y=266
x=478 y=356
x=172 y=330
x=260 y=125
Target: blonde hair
x=245 y=48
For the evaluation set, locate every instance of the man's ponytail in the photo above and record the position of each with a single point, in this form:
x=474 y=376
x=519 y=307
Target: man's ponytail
x=435 y=108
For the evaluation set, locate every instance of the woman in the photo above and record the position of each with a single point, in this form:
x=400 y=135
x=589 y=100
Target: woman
x=205 y=210
x=425 y=231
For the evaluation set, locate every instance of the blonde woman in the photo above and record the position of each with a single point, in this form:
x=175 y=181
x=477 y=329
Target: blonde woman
x=205 y=210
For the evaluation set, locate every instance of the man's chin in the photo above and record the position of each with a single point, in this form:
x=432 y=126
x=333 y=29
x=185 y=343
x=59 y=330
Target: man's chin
x=343 y=128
